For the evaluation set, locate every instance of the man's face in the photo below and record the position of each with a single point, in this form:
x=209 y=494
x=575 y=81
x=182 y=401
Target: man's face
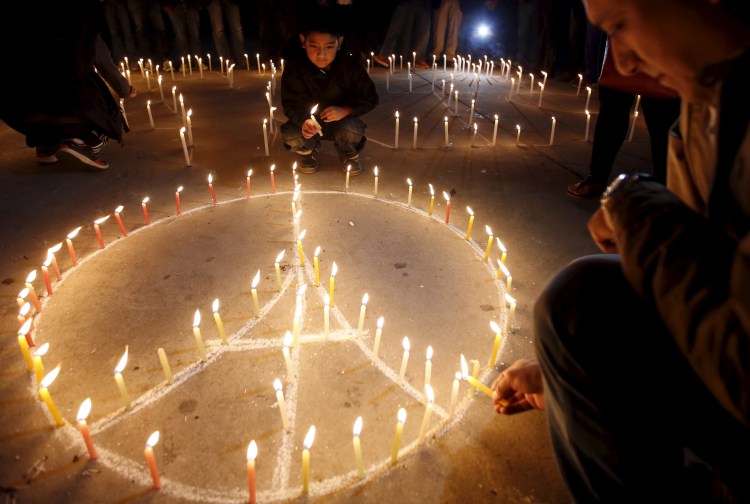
x=659 y=38
x=321 y=48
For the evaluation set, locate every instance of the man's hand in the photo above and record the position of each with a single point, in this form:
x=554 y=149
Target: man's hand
x=519 y=388
x=308 y=129
x=330 y=114
x=602 y=233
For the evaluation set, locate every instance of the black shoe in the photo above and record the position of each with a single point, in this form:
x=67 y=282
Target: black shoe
x=85 y=153
x=308 y=163
x=587 y=188
x=352 y=166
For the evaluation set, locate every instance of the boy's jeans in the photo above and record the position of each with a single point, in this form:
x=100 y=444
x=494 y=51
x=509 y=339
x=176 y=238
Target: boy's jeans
x=347 y=135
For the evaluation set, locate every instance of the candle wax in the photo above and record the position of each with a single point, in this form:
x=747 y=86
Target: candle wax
x=151 y=461
x=84 y=429
x=44 y=393
x=165 y=366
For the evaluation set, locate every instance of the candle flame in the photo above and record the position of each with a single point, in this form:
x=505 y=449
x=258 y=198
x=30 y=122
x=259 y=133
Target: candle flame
x=174 y=88
x=146 y=200
x=250 y=172
x=432 y=190
x=215 y=305
x=376 y=171
x=445 y=195
x=496 y=117
x=210 y=178
x=587 y=113
x=406 y=344
x=84 y=410
x=153 y=439
x=317 y=251
x=25 y=328
x=458 y=376
x=277 y=385
x=302 y=235
x=50 y=377
x=72 y=234
x=158 y=79
x=327 y=299
x=430 y=394
x=348 y=168
x=381 y=321
x=500 y=245
x=119 y=209
x=471 y=212
x=24 y=309
x=32 y=276
x=510 y=299
x=503 y=268
x=252 y=451
x=197 y=318
x=408 y=181
x=47 y=261
x=301 y=290
x=24 y=293
x=365 y=298
x=101 y=219
x=488 y=229
x=181 y=98
x=415 y=118
x=310 y=437
x=446 y=117
x=334 y=269
x=401 y=415
x=314 y=109
x=256 y=279
x=475 y=126
x=265 y=121
x=273 y=167
x=464 y=367
x=541 y=85
x=495 y=328
x=429 y=352
x=189 y=113
x=123 y=361
x=287 y=339
x=397 y=114
x=42 y=350
x=55 y=248
x=298 y=214
x=588 y=88
x=148 y=103
x=179 y=189
x=280 y=257
x=518 y=127
x=357 y=426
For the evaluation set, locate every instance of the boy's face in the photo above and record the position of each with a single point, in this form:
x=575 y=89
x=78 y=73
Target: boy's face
x=321 y=48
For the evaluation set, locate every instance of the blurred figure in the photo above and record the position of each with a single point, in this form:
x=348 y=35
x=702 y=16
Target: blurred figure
x=227 y=13
x=446 y=27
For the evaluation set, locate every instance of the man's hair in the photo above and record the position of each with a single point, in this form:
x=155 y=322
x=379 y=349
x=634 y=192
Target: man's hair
x=321 y=20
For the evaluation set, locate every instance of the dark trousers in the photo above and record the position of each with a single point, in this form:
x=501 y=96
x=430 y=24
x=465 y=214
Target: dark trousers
x=348 y=135
x=622 y=401
x=612 y=127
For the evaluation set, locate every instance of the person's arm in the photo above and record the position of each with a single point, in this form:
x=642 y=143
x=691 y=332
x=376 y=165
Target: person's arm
x=698 y=279
x=107 y=69
x=519 y=388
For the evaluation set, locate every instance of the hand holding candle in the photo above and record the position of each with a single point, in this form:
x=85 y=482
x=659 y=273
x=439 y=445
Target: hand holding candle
x=473 y=381
x=317 y=125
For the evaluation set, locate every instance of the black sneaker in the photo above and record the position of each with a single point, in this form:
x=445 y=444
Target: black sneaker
x=308 y=163
x=46 y=154
x=83 y=153
x=353 y=166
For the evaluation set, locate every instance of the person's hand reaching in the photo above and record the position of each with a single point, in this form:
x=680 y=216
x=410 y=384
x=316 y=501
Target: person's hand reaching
x=519 y=388
x=330 y=114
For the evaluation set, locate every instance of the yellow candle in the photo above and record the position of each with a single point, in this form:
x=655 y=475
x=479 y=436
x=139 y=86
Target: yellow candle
x=254 y=292
x=295 y=325
x=432 y=199
x=512 y=302
x=83 y=413
x=287 y=356
x=358 y=448
x=119 y=379
x=427 y=413
x=475 y=384
x=375 y=191
x=165 y=365
x=408 y=198
x=471 y=222
x=32 y=292
x=277 y=267
x=197 y=334
x=378 y=334
x=362 y=311
x=348 y=170
x=25 y=344
x=37 y=359
x=474 y=371
x=428 y=366
x=316 y=266
x=282 y=404
x=502 y=269
x=327 y=316
x=454 y=395
x=489 y=243
x=44 y=393
x=219 y=323
x=334 y=270
x=399 y=433
x=299 y=247
x=496 y=329
x=151 y=460
x=404 y=359
x=309 y=438
x=252 y=453
x=503 y=250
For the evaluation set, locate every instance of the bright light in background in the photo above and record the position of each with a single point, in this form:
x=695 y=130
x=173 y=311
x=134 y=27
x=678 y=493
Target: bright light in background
x=483 y=31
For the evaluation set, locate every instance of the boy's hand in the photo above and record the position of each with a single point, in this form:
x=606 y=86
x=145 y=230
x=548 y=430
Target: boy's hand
x=308 y=129
x=330 y=114
x=602 y=233
x=519 y=388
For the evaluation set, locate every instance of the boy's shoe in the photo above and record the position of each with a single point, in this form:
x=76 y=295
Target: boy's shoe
x=422 y=64
x=308 y=161
x=353 y=166
x=380 y=60
x=587 y=188
x=83 y=153
x=47 y=154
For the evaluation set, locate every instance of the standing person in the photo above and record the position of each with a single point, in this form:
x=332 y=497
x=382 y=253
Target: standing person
x=185 y=17
x=227 y=13
x=149 y=29
x=411 y=22
x=318 y=73
x=447 y=19
x=644 y=356
x=63 y=104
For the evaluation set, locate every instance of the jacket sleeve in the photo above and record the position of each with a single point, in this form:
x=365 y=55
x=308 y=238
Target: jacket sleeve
x=365 y=94
x=698 y=278
x=107 y=69
x=295 y=97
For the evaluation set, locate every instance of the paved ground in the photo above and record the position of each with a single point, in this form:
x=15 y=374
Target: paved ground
x=519 y=190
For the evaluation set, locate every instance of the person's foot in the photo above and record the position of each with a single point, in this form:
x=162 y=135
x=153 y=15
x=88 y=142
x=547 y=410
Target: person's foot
x=46 y=154
x=83 y=153
x=587 y=188
x=422 y=64
x=308 y=161
x=353 y=166
x=382 y=61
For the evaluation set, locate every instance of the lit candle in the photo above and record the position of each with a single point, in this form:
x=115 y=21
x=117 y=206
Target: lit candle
x=265 y=136
x=24 y=315
x=221 y=65
x=119 y=379
x=512 y=85
x=444 y=62
x=189 y=119
x=287 y=357
x=32 y=292
x=588 y=97
x=474 y=137
x=171 y=70
x=257 y=58
x=428 y=366
x=37 y=360
x=545 y=77
x=416 y=126
x=177 y=199
x=552 y=132
x=301 y=237
x=378 y=334
x=531 y=86
x=503 y=250
x=395 y=142
x=471 y=222
x=454 y=395
x=442 y=92
x=150 y=115
x=151 y=460
x=541 y=94
x=427 y=413
x=297 y=320
x=445 y=123
x=334 y=270
x=161 y=89
x=317 y=125
x=45 y=274
x=98 y=231
x=21 y=299
x=358 y=448
x=362 y=311
x=309 y=438
x=24 y=344
x=471 y=112
x=83 y=413
x=252 y=453
x=405 y=359
x=184 y=114
x=401 y=418
x=580 y=81
x=51 y=254
x=496 y=346
x=447 y=207
x=494 y=132
x=472 y=380
x=375 y=190
x=282 y=404
x=148 y=80
x=326 y=315
x=455 y=105
x=512 y=302
x=432 y=199
x=184 y=147
x=489 y=243
x=184 y=69
x=400 y=61
x=346 y=186
x=197 y=334
x=254 y=292
x=273 y=179
x=200 y=66
x=247 y=184
x=504 y=270
x=118 y=218
x=211 y=188
x=219 y=323
x=277 y=267
x=47 y=398
x=174 y=98
x=518 y=135
x=637 y=102
x=165 y=365
x=632 y=126
x=408 y=198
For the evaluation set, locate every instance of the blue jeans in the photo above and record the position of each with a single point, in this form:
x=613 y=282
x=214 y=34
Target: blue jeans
x=410 y=20
x=622 y=401
x=348 y=136
x=218 y=12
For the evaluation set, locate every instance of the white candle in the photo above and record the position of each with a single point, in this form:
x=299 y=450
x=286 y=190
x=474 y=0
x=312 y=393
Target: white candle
x=282 y=404
x=428 y=366
x=494 y=132
x=637 y=101
x=401 y=416
x=531 y=86
x=148 y=81
x=174 y=99
x=552 y=132
x=454 y=395
x=474 y=137
x=512 y=85
x=588 y=124
x=446 y=131
x=408 y=198
x=161 y=89
x=257 y=58
x=277 y=267
x=375 y=190
x=348 y=171
x=541 y=94
x=247 y=62
x=427 y=413
x=404 y=359
x=309 y=438
x=219 y=323
x=455 y=105
x=580 y=81
x=588 y=97
x=254 y=292
x=265 y=136
x=358 y=448
x=119 y=379
x=378 y=334
x=184 y=146
x=197 y=334
x=200 y=66
x=395 y=142
x=182 y=108
x=165 y=365
x=288 y=340
x=471 y=112
x=518 y=135
x=416 y=126
x=632 y=126
x=362 y=310
x=189 y=118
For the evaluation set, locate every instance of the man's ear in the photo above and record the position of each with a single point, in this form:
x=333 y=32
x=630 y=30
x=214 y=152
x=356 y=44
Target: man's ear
x=341 y=41
x=302 y=39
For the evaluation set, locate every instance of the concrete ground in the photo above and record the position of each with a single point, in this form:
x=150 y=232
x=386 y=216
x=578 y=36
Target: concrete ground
x=475 y=456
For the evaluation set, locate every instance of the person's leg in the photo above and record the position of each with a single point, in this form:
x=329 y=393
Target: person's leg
x=660 y=115
x=439 y=27
x=137 y=11
x=123 y=17
x=421 y=34
x=397 y=25
x=347 y=135
x=216 y=17
x=234 y=23
x=159 y=31
x=193 y=21
x=454 y=28
x=177 y=19
x=113 y=31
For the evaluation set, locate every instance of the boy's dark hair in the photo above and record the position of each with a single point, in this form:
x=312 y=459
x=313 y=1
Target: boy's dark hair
x=321 y=20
